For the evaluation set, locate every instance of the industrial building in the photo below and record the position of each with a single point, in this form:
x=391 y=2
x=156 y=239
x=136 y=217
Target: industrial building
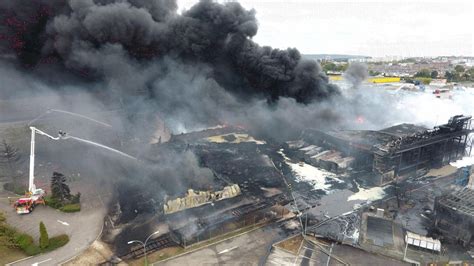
x=396 y=151
x=454 y=216
x=243 y=188
x=251 y=177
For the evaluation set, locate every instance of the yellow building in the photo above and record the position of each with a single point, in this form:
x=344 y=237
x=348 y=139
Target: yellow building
x=383 y=79
x=371 y=80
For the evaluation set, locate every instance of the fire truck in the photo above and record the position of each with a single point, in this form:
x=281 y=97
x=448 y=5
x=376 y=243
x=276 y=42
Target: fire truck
x=34 y=196
x=27 y=204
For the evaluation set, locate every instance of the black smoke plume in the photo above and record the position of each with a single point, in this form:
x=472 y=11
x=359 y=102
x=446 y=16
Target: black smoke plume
x=103 y=39
x=356 y=73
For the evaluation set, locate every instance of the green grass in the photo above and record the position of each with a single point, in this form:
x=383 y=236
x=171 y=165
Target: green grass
x=12 y=241
x=32 y=250
x=56 y=204
x=53 y=203
x=56 y=242
x=71 y=207
x=23 y=240
x=21 y=244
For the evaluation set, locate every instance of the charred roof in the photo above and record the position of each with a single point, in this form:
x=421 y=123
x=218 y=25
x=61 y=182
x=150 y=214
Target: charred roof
x=403 y=130
x=461 y=201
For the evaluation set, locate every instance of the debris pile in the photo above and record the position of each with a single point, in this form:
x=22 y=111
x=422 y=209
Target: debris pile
x=198 y=198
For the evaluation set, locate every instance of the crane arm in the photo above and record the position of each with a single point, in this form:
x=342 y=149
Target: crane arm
x=31 y=183
x=34 y=129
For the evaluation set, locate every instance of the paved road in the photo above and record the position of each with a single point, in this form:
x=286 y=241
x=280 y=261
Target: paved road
x=82 y=227
x=247 y=249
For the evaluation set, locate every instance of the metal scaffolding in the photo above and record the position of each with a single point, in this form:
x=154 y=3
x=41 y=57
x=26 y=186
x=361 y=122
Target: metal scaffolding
x=431 y=148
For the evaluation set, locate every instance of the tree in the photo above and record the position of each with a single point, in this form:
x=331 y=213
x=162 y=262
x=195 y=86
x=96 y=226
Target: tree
x=434 y=74
x=374 y=73
x=9 y=156
x=452 y=76
x=329 y=66
x=471 y=73
x=76 y=198
x=459 y=69
x=423 y=73
x=44 y=238
x=59 y=189
x=448 y=75
x=465 y=76
x=342 y=67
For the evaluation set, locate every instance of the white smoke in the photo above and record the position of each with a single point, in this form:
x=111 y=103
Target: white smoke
x=378 y=106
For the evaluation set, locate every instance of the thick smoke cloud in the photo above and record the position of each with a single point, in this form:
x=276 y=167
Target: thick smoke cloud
x=144 y=61
x=356 y=73
x=101 y=38
x=194 y=70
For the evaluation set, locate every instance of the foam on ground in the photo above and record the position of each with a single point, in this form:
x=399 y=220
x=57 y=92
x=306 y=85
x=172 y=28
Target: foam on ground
x=318 y=178
x=369 y=194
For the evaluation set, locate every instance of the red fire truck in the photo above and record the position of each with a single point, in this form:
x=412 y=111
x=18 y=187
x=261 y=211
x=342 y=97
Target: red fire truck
x=27 y=204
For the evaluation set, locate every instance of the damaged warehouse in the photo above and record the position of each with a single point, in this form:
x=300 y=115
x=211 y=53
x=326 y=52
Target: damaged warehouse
x=198 y=198
x=454 y=216
x=392 y=152
x=235 y=185
x=227 y=146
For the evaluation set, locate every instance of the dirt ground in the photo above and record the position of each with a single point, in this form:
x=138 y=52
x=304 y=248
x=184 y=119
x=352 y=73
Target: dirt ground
x=291 y=244
x=97 y=252
x=8 y=255
x=443 y=171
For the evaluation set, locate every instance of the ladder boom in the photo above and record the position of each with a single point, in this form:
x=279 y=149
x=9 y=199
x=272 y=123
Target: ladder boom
x=31 y=181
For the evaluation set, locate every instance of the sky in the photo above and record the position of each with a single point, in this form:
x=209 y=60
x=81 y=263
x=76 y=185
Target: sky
x=384 y=28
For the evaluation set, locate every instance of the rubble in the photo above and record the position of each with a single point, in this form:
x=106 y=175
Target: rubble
x=396 y=151
x=198 y=198
x=333 y=161
x=244 y=188
x=327 y=174
x=234 y=138
x=342 y=229
x=454 y=215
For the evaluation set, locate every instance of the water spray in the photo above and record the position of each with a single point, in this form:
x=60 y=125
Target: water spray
x=65 y=136
x=61 y=135
x=49 y=111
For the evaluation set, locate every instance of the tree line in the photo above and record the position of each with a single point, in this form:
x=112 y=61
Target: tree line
x=459 y=73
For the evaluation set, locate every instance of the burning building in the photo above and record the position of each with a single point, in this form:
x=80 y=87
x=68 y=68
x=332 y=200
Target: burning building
x=233 y=183
x=454 y=215
x=198 y=198
x=391 y=152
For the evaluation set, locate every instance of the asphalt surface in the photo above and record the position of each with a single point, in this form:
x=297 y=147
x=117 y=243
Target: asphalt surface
x=82 y=227
x=248 y=249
